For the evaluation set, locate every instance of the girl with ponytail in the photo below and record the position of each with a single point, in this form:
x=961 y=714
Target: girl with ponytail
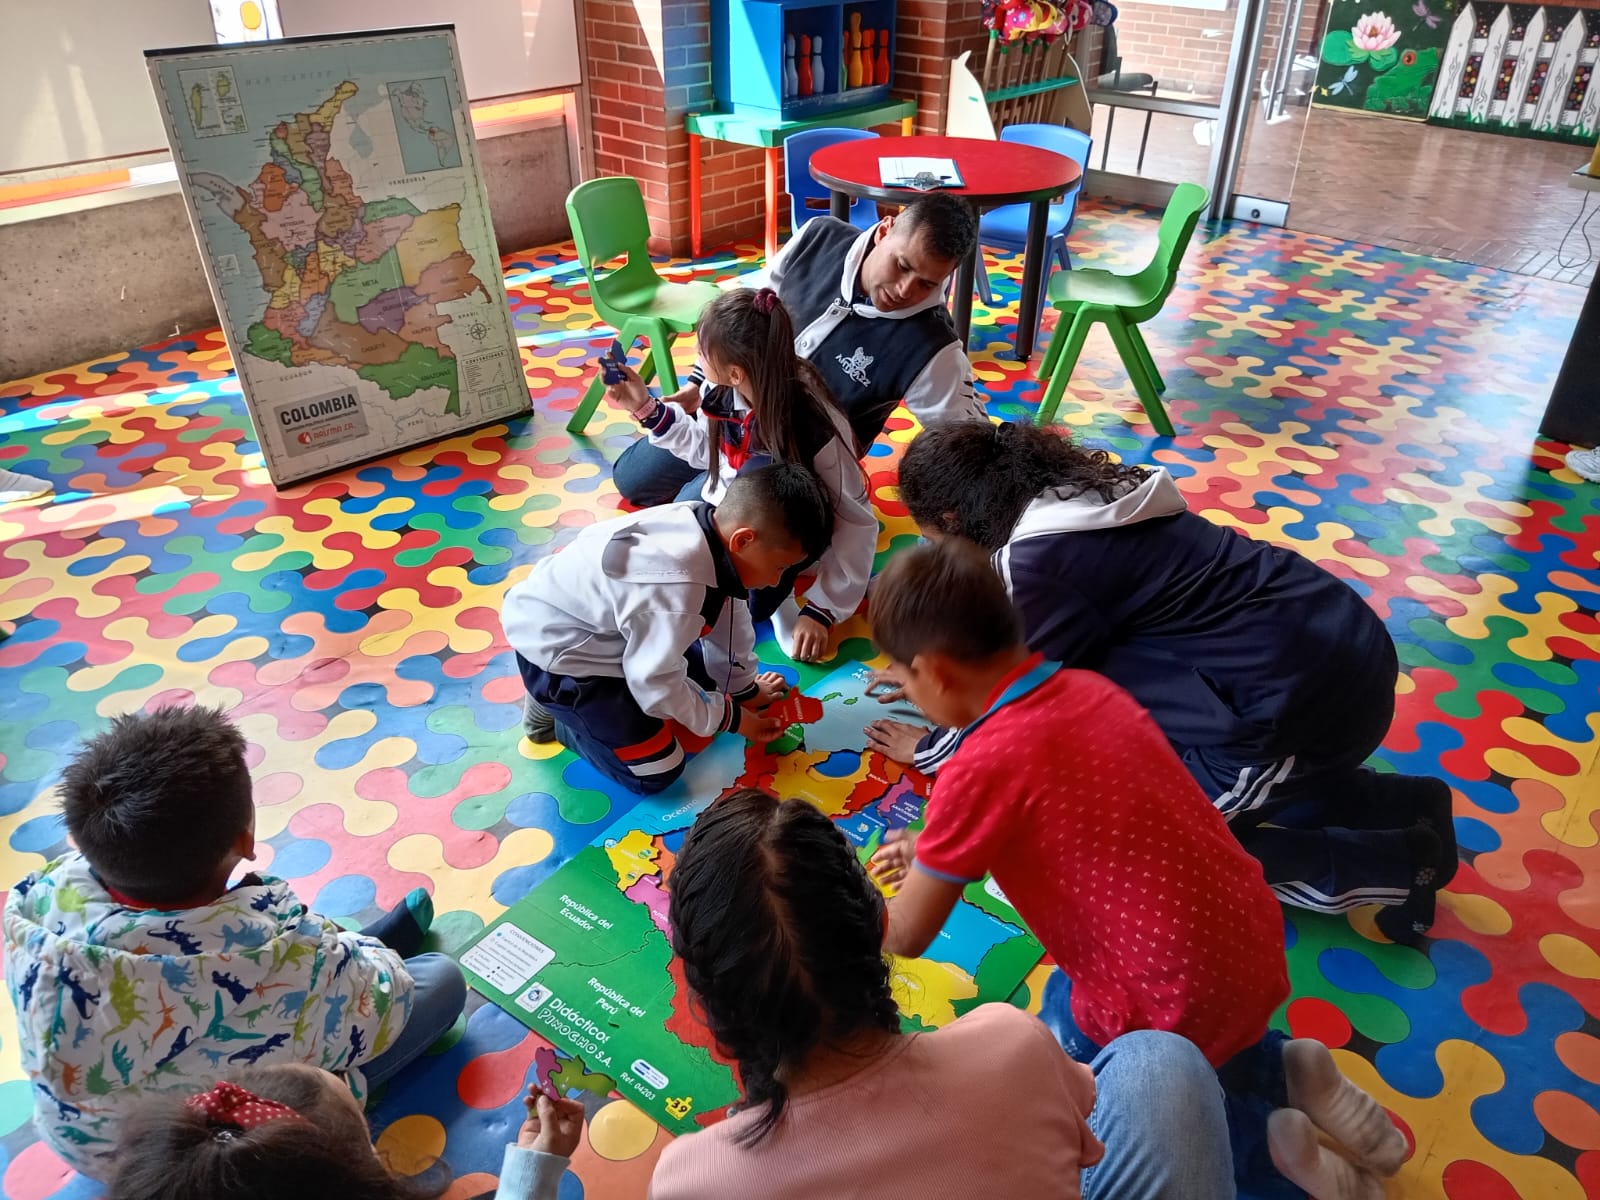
x=760 y=403
x=780 y=932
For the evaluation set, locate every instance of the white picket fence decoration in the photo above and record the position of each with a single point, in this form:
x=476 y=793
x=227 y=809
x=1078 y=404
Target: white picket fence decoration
x=1564 y=56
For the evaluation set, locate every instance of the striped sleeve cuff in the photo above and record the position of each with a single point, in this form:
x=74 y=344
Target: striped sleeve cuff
x=659 y=421
x=730 y=718
x=817 y=614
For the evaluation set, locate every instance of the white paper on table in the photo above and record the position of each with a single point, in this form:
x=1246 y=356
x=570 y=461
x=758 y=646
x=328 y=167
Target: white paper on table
x=899 y=172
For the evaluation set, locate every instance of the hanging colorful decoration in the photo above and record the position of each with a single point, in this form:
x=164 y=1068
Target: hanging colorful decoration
x=1036 y=20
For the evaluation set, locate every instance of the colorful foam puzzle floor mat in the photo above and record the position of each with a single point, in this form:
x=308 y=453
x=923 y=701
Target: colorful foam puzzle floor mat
x=1376 y=411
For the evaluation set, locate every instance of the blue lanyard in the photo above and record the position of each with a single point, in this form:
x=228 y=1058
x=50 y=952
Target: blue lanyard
x=1019 y=687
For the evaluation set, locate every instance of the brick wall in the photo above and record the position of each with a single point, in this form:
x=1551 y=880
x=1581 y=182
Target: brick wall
x=1172 y=44
x=650 y=65
x=1175 y=44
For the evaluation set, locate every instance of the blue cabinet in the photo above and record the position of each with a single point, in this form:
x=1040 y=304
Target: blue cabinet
x=747 y=54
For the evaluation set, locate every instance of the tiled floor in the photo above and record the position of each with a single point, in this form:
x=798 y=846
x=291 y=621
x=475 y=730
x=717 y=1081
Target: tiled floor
x=1482 y=198
x=1372 y=409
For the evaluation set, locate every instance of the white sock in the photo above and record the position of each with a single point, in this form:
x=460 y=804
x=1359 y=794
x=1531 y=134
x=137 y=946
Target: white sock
x=784 y=620
x=1298 y=1152
x=1339 y=1108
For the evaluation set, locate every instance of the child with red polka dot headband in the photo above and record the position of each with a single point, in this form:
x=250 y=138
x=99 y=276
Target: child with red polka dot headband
x=295 y=1130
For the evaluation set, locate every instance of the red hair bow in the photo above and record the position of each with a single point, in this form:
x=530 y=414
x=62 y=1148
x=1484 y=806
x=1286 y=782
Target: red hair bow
x=230 y=1104
x=764 y=301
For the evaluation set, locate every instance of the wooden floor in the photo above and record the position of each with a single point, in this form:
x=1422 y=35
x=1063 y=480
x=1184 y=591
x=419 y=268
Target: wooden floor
x=1482 y=198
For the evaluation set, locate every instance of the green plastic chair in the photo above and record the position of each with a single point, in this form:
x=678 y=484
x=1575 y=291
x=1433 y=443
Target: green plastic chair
x=1085 y=295
x=608 y=222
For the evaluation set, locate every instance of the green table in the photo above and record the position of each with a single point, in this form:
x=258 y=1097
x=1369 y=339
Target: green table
x=745 y=130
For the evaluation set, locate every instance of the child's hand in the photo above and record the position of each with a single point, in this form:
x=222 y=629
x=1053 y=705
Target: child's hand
x=631 y=394
x=886 y=687
x=810 y=640
x=770 y=687
x=552 y=1126
x=759 y=728
x=894 y=858
x=895 y=740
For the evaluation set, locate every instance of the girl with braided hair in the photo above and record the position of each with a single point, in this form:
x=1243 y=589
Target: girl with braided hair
x=759 y=403
x=1273 y=679
x=780 y=932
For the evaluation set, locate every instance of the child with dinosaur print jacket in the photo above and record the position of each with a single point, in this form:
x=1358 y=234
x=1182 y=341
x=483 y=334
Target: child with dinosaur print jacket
x=136 y=969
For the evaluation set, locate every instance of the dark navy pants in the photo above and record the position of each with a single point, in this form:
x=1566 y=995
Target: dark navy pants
x=599 y=720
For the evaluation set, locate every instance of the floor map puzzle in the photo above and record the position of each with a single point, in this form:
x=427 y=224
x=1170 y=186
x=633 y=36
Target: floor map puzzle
x=333 y=186
x=1375 y=410
x=585 y=958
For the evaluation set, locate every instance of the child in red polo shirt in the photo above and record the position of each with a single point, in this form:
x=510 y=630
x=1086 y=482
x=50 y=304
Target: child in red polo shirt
x=1066 y=791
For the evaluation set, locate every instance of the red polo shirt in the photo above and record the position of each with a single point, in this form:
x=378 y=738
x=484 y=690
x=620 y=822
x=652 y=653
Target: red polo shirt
x=1070 y=796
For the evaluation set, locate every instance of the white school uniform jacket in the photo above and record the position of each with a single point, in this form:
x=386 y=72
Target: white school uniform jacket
x=627 y=598
x=842 y=572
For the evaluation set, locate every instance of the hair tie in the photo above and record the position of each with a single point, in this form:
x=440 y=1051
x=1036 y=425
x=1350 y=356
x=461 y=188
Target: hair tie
x=766 y=300
x=231 y=1105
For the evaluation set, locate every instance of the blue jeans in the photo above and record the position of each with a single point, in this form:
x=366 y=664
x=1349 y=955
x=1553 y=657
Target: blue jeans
x=1160 y=1115
x=439 y=995
x=1247 y=1087
x=647 y=475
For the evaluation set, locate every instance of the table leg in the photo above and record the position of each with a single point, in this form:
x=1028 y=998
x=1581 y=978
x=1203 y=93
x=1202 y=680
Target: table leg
x=839 y=205
x=773 y=153
x=906 y=126
x=694 y=194
x=965 y=274
x=1032 y=263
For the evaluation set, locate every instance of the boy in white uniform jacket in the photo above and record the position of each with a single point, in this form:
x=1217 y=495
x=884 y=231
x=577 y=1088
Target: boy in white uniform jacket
x=642 y=625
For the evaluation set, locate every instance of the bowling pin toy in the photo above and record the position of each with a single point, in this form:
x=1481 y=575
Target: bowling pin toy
x=802 y=66
x=880 y=74
x=855 y=50
x=818 y=86
x=867 y=57
x=791 y=78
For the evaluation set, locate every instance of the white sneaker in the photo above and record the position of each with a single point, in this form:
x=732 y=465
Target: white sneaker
x=1585 y=463
x=14 y=485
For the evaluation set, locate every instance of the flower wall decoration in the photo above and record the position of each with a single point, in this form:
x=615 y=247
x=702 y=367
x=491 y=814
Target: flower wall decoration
x=1370 y=40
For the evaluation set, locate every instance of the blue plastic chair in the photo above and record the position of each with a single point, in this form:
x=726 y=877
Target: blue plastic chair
x=1007 y=228
x=797 y=151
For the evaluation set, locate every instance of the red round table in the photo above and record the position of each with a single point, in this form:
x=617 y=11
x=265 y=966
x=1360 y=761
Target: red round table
x=994 y=172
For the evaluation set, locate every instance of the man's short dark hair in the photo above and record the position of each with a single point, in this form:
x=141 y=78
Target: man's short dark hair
x=943 y=598
x=947 y=225
x=784 y=499
x=156 y=801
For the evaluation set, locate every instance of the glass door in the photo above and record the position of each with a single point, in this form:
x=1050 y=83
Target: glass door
x=1265 y=131
x=1216 y=92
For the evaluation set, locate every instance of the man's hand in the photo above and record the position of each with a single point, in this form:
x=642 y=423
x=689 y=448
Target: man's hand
x=770 y=687
x=886 y=687
x=810 y=640
x=687 y=398
x=551 y=1126
x=895 y=740
x=631 y=394
x=758 y=727
x=894 y=858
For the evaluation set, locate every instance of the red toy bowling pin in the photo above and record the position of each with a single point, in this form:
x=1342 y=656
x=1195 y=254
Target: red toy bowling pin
x=803 y=65
x=880 y=73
